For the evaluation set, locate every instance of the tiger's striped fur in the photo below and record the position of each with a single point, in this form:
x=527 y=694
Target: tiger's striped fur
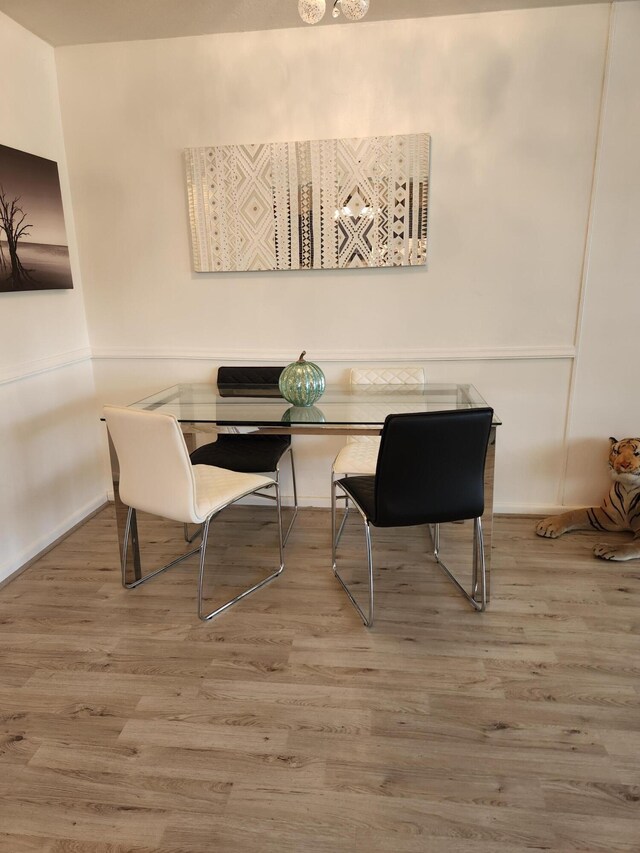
x=620 y=509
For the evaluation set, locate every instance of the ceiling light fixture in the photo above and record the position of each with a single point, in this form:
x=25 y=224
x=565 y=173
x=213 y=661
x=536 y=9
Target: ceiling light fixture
x=312 y=11
x=354 y=10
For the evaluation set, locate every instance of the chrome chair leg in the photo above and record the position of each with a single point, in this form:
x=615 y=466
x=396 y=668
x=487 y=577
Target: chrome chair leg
x=333 y=524
x=205 y=617
x=434 y=529
x=295 y=486
x=479 y=580
x=295 y=495
x=191 y=538
x=366 y=618
x=123 y=557
x=479 y=563
x=346 y=507
x=272 y=498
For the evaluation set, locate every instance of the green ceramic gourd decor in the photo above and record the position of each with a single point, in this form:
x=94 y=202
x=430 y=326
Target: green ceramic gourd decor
x=302 y=382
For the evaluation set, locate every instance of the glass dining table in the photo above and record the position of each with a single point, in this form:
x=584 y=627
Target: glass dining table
x=341 y=410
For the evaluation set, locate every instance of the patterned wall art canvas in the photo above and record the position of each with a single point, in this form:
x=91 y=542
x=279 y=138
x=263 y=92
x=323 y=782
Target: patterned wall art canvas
x=324 y=204
x=34 y=254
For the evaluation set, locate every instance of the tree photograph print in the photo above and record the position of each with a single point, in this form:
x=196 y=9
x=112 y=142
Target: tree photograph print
x=34 y=254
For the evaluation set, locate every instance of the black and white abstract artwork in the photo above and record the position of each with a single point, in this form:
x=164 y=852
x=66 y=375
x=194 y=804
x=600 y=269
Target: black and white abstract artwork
x=34 y=253
x=322 y=204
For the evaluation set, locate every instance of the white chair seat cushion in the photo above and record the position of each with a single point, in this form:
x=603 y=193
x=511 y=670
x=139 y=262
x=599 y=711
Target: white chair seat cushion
x=358 y=457
x=217 y=487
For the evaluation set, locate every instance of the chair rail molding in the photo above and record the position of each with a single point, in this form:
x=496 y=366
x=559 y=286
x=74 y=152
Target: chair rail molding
x=348 y=355
x=16 y=372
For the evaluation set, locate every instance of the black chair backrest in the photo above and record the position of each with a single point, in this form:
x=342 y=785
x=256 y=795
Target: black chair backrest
x=249 y=381
x=431 y=467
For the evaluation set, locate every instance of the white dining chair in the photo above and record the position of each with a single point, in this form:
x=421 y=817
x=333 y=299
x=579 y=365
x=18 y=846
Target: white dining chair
x=360 y=454
x=156 y=476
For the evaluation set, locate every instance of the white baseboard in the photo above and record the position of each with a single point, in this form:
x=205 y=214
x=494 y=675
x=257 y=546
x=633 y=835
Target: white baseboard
x=36 y=550
x=324 y=502
x=531 y=509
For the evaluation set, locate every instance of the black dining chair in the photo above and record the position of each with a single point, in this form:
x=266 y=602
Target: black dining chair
x=430 y=470
x=250 y=453
x=360 y=453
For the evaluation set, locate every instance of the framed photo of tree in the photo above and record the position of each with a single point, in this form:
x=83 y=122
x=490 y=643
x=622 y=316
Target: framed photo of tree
x=34 y=253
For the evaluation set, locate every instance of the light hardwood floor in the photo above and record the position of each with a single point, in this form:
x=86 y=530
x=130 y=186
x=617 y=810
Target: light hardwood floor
x=127 y=726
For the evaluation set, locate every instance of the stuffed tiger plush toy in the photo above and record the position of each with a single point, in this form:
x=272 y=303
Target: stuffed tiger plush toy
x=620 y=509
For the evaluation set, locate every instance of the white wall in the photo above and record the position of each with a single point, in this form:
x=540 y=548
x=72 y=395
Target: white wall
x=605 y=400
x=51 y=442
x=512 y=101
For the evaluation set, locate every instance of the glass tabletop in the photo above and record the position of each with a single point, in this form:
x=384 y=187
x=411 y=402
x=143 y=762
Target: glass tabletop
x=339 y=406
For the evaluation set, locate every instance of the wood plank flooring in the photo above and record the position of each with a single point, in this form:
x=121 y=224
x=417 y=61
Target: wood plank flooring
x=128 y=726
